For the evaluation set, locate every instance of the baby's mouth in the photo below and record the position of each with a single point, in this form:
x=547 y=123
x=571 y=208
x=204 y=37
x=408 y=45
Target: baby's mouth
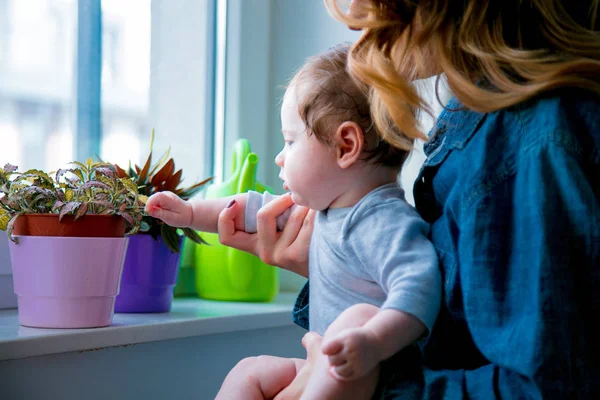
x=285 y=186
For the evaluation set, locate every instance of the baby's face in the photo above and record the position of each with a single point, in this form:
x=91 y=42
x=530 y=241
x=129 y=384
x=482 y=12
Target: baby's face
x=308 y=167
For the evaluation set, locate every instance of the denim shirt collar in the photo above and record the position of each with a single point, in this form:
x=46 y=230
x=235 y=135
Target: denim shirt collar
x=453 y=129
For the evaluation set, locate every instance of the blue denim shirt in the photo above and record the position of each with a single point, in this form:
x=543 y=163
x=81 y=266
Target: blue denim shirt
x=514 y=202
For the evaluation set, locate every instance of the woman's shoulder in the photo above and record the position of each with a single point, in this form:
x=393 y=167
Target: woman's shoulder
x=566 y=117
x=565 y=110
x=496 y=145
x=569 y=119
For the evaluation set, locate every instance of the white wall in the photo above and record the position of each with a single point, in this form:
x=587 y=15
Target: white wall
x=299 y=29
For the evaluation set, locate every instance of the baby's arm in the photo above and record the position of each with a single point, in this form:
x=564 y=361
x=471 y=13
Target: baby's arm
x=201 y=215
x=354 y=352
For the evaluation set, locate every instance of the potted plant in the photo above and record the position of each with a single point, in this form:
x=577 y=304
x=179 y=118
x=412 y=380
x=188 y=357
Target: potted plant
x=67 y=241
x=153 y=255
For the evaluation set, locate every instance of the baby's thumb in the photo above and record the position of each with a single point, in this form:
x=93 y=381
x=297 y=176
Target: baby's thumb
x=332 y=347
x=162 y=200
x=153 y=208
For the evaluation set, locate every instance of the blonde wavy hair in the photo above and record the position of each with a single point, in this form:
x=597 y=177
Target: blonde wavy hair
x=494 y=53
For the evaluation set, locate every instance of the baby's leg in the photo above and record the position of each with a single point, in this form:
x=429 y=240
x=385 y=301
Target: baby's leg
x=259 y=378
x=312 y=343
x=322 y=385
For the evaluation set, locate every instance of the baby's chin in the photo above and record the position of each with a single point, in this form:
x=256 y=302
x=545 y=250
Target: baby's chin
x=304 y=202
x=299 y=200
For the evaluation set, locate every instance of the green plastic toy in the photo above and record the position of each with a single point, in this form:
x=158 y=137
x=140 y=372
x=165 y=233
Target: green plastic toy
x=186 y=277
x=223 y=273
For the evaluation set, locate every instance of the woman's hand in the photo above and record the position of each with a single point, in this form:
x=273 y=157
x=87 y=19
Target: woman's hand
x=170 y=208
x=287 y=249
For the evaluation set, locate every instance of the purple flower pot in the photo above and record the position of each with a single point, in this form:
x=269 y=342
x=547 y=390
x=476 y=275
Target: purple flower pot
x=66 y=282
x=149 y=276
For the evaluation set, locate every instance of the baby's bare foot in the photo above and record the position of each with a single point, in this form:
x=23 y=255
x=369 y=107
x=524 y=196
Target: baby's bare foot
x=312 y=343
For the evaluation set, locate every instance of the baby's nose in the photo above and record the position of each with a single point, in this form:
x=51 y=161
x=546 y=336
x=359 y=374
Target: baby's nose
x=279 y=160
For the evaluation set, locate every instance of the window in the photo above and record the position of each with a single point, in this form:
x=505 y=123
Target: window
x=87 y=78
x=125 y=78
x=36 y=60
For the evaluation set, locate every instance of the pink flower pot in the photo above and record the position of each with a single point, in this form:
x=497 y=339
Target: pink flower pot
x=67 y=282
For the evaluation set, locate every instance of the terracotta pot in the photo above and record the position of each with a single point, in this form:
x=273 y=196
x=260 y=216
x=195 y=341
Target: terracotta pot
x=90 y=225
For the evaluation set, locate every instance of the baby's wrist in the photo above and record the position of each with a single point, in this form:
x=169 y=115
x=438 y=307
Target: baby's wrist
x=376 y=344
x=191 y=214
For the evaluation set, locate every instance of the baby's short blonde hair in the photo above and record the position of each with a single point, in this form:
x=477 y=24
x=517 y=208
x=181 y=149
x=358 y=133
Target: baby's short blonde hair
x=327 y=96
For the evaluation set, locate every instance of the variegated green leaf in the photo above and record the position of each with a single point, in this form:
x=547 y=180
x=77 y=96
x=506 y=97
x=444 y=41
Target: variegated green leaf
x=68 y=208
x=4 y=219
x=144 y=227
x=10 y=227
x=95 y=184
x=81 y=211
x=80 y=165
x=160 y=162
x=129 y=184
x=9 y=168
x=193 y=236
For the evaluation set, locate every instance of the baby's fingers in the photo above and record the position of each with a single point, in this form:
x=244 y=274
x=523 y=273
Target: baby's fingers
x=343 y=372
x=160 y=201
x=332 y=347
x=338 y=359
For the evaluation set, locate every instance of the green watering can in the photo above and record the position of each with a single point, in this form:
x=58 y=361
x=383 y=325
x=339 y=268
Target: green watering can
x=224 y=273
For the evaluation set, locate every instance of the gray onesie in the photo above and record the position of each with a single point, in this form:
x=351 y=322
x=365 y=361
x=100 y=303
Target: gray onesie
x=376 y=252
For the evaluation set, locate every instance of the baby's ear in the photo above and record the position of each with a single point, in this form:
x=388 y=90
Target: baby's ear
x=349 y=143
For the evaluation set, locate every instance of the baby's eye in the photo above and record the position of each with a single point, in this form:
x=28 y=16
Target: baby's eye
x=289 y=142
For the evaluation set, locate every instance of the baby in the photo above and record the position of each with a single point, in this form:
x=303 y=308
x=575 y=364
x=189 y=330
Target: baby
x=375 y=284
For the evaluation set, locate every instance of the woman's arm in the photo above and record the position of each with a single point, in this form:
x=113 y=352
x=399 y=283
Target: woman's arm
x=286 y=249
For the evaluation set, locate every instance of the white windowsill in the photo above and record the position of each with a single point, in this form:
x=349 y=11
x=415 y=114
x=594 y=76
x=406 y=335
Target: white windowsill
x=188 y=317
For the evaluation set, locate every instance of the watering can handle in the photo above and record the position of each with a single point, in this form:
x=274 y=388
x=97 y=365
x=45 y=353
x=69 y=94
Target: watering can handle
x=247 y=178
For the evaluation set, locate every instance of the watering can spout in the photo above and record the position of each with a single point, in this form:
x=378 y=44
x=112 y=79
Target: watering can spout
x=241 y=150
x=247 y=178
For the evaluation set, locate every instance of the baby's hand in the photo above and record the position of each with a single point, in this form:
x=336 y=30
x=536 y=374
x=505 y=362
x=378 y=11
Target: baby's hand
x=171 y=209
x=352 y=354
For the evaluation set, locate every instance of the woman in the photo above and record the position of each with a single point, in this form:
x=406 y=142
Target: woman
x=511 y=187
